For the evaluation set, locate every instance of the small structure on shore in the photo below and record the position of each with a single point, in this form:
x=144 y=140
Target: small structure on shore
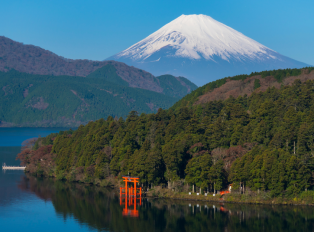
x=227 y=191
x=131 y=191
x=5 y=167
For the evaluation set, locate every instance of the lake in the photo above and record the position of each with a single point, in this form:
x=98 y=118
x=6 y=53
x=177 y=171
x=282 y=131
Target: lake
x=28 y=203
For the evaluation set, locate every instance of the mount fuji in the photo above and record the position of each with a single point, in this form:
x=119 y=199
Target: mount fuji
x=202 y=50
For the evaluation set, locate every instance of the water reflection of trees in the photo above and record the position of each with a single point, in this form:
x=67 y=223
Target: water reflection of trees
x=99 y=208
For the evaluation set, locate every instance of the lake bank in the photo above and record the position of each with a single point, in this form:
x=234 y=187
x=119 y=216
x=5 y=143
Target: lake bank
x=250 y=197
x=262 y=198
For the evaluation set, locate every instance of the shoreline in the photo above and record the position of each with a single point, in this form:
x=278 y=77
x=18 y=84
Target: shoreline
x=234 y=198
x=158 y=192
x=230 y=202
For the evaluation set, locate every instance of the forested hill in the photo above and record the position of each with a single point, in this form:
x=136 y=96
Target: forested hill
x=35 y=60
x=38 y=100
x=265 y=141
x=244 y=84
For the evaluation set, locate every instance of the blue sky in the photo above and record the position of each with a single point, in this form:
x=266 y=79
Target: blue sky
x=97 y=29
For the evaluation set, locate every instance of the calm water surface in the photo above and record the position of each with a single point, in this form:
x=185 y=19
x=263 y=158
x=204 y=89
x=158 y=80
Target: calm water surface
x=34 y=204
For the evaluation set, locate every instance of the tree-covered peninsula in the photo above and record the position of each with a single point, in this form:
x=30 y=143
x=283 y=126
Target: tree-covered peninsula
x=263 y=142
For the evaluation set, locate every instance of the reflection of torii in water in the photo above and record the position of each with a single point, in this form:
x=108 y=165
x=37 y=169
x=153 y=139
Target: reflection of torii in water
x=222 y=209
x=129 y=202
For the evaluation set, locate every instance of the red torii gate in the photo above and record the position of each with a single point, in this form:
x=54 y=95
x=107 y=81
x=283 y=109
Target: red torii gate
x=131 y=191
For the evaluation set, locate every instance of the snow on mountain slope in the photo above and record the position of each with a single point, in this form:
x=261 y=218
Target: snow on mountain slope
x=196 y=36
x=201 y=49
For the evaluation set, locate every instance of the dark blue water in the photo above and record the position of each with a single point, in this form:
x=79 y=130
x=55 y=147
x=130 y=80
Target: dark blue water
x=22 y=210
x=13 y=137
x=28 y=203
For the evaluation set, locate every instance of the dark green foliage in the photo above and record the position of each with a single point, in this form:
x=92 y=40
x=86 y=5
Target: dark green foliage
x=172 y=86
x=275 y=128
x=271 y=169
x=198 y=170
x=48 y=140
x=217 y=175
x=108 y=73
x=257 y=83
x=37 y=100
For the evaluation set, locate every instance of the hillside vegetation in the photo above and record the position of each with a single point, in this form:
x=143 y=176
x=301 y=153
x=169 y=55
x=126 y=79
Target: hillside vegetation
x=35 y=60
x=37 y=100
x=263 y=142
x=240 y=85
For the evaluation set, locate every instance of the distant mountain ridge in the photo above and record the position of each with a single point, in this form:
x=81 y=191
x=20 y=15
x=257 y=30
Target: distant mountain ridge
x=30 y=100
x=203 y=50
x=35 y=60
x=39 y=88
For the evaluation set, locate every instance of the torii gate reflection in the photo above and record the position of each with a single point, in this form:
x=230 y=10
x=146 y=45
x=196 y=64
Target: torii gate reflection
x=130 y=196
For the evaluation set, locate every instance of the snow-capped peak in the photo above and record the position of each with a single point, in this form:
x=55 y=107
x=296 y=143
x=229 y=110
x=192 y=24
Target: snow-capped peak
x=196 y=37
